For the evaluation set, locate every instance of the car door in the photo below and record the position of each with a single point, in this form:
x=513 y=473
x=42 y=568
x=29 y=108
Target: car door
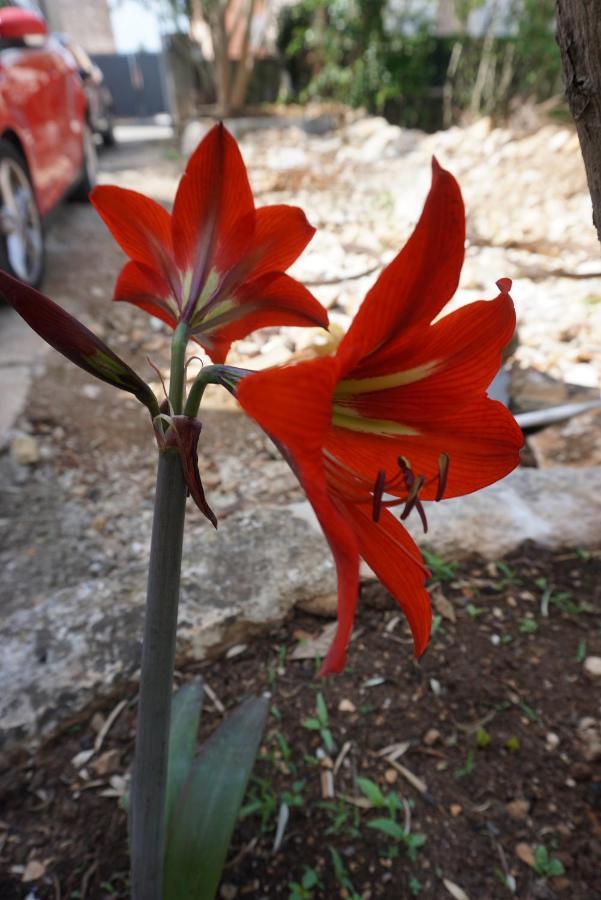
x=35 y=83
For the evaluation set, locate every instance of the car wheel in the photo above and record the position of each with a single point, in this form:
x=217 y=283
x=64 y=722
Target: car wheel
x=21 y=231
x=87 y=181
x=108 y=136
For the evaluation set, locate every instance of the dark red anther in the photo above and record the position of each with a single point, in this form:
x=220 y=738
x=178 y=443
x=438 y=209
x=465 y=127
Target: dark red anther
x=406 y=472
x=422 y=514
x=377 y=494
x=412 y=498
x=443 y=473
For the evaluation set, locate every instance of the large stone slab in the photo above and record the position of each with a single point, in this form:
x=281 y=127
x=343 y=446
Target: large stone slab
x=82 y=641
x=554 y=508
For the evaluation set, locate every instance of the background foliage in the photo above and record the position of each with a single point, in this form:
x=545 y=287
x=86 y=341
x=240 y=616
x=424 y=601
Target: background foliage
x=364 y=53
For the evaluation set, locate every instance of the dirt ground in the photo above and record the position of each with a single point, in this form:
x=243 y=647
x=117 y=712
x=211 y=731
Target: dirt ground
x=482 y=742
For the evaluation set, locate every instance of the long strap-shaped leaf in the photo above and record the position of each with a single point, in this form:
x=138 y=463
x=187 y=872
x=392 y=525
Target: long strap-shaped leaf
x=203 y=820
x=185 y=719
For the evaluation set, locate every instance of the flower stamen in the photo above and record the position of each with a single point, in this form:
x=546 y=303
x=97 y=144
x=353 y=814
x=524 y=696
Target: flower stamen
x=377 y=494
x=443 y=473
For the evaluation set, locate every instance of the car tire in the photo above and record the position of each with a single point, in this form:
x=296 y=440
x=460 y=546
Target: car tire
x=87 y=180
x=108 y=136
x=22 y=248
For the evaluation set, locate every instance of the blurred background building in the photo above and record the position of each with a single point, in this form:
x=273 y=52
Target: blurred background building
x=87 y=22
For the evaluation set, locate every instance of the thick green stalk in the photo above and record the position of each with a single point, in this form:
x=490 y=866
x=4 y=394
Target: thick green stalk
x=179 y=342
x=158 y=658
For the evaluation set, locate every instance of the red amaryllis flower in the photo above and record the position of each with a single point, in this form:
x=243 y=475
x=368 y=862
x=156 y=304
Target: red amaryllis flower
x=216 y=263
x=398 y=415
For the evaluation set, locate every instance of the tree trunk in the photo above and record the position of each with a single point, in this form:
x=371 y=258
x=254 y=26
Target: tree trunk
x=246 y=62
x=579 y=39
x=221 y=55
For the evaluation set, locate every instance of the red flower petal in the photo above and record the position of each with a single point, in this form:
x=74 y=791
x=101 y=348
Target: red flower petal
x=482 y=441
x=293 y=404
x=213 y=195
x=274 y=299
x=267 y=241
x=141 y=227
x=419 y=281
x=395 y=558
x=63 y=332
x=281 y=233
x=146 y=289
x=464 y=350
x=343 y=545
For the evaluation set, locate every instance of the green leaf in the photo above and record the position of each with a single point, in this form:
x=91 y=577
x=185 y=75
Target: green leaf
x=371 y=790
x=388 y=827
x=312 y=724
x=483 y=738
x=310 y=879
x=555 y=867
x=328 y=740
x=185 y=719
x=322 y=710
x=199 y=835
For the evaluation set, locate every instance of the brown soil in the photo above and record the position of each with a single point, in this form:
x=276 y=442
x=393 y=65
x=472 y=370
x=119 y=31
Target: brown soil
x=490 y=715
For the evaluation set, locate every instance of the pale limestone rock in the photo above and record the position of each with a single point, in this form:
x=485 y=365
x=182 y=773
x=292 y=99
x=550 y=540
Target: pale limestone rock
x=592 y=666
x=25 y=450
x=576 y=442
x=80 y=642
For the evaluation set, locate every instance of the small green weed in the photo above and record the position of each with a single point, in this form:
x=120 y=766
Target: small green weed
x=345 y=818
x=507 y=880
x=439 y=568
x=467 y=768
x=262 y=801
x=562 y=600
x=415 y=886
x=436 y=623
x=474 y=612
x=303 y=889
x=483 y=738
x=528 y=626
x=321 y=723
x=342 y=876
x=546 y=866
x=530 y=713
x=508 y=579
x=388 y=825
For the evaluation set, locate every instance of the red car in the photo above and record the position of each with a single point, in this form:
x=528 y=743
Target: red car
x=47 y=147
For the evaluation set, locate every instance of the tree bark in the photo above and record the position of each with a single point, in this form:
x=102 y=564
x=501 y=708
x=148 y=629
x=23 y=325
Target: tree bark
x=246 y=62
x=579 y=39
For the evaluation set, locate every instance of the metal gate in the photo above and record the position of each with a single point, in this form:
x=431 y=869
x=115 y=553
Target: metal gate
x=136 y=81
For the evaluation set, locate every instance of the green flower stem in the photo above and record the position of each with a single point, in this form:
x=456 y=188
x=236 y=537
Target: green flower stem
x=227 y=376
x=178 y=360
x=158 y=659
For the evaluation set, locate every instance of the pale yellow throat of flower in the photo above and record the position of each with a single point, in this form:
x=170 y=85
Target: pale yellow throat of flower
x=350 y=386
x=345 y=416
